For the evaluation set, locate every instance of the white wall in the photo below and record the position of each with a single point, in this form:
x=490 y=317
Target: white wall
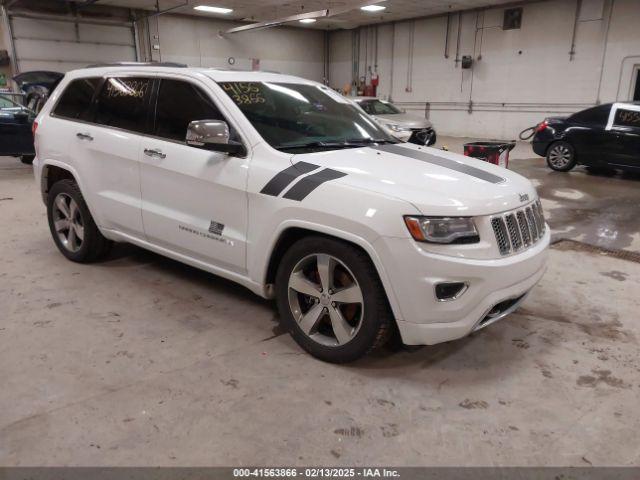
x=522 y=75
x=196 y=42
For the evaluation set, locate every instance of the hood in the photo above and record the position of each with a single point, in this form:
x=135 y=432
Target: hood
x=40 y=78
x=436 y=182
x=406 y=120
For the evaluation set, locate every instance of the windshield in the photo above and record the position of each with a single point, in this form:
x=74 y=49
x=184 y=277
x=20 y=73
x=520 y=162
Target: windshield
x=299 y=116
x=378 y=107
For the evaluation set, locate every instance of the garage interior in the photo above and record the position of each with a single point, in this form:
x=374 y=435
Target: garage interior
x=142 y=361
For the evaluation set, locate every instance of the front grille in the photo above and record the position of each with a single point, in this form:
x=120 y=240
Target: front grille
x=518 y=229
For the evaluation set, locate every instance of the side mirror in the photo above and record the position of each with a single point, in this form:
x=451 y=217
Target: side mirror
x=213 y=135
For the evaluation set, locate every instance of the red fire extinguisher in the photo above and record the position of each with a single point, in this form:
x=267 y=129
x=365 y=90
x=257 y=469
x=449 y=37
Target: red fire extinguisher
x=375 y=81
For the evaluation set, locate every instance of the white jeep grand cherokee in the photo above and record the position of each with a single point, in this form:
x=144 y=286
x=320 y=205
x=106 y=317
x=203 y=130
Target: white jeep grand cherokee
x=285 y=187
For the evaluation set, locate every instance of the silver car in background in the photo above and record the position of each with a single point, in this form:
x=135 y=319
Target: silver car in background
x=405 y=126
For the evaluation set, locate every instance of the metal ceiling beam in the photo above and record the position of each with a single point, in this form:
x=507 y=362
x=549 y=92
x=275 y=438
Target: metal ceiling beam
x=329 y=12
x=159 y=12
x=278 y=21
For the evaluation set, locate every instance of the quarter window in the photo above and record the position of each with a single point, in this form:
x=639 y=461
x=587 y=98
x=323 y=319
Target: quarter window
x=627 y=118
x=180 y=103
x=123 y=103
x=75 y=101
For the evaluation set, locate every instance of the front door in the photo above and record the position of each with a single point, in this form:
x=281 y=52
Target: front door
x=194 y=201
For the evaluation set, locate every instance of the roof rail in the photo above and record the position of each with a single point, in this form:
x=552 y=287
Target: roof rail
x=232 y=69
x=138 y=64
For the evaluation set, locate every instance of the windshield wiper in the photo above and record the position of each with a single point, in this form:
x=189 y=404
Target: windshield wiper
x=350 y=143
x=328 y=145
x=368 y=141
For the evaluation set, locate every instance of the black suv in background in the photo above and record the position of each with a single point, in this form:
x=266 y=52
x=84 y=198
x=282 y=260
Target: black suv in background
x=605 y=136
x=19 y=110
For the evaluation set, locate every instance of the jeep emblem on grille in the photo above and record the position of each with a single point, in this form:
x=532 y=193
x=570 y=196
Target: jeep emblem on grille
x=524 y=197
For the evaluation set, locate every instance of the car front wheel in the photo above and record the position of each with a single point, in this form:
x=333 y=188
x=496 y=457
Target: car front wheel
x=331 y=300
x=561 y=156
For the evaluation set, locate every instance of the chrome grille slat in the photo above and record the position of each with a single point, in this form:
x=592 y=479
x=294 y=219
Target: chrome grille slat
x=518 y=229
x=524 y=228
x=514 y=232
x=532 y=224
x=500 y=231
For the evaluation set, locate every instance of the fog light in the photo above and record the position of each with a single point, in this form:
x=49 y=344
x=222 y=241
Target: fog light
x=447 y=291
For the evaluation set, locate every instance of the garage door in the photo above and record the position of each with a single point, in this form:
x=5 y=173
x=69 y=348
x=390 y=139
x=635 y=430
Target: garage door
x=62 y=45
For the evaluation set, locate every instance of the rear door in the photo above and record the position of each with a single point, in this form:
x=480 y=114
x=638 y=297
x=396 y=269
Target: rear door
x=588 y=133
x=104 y=143
x=625 y=124
x=194 y=201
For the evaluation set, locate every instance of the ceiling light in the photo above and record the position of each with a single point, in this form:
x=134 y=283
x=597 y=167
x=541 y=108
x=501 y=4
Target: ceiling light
x=373 y=8
x=307 y=20
x=210 y=9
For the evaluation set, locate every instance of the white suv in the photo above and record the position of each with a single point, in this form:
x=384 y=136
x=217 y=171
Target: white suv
x=282 y=185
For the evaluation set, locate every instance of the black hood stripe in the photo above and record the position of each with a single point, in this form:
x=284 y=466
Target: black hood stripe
x=441 y=162
x=309 y=183
x=284 y=178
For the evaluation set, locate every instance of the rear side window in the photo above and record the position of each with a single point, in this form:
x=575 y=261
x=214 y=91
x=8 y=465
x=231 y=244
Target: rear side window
x=596 y=116
x=124 y=103
x=178 y=104
x=627 y=118
x=75 y=101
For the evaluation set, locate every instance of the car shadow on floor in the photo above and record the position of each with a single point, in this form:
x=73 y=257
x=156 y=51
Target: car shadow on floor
x=393 y=356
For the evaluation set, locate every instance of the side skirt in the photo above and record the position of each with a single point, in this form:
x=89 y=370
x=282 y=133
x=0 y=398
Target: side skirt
x=246 y=282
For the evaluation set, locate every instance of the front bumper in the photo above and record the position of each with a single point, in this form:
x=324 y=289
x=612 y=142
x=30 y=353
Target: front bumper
x=496 y=288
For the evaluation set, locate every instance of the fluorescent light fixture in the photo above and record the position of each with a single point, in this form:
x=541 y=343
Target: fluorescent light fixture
x=307 y=20
x=210 y=9
x=373 y=8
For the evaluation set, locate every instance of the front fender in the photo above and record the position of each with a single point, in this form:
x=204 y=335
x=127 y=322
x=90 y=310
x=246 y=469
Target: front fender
x=347 y=213
x=312 y=227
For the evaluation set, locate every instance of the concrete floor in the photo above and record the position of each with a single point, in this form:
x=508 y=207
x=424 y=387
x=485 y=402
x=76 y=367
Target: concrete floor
x=140 y=360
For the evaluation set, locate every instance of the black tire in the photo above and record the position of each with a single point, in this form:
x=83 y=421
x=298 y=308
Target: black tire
x=561 y=156
x=376 y=317
x=27 y=159
x=94 y=245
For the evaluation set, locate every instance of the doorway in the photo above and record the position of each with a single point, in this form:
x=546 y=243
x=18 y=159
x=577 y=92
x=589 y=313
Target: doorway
x=636 y=90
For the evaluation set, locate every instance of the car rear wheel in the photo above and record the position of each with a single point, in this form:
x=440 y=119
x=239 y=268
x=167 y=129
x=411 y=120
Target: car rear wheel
x=331 y=300
x=72 y=227
x=27 y=159
x=561 y=156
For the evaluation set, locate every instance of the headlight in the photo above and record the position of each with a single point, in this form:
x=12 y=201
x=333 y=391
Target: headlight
x=442 y=229
x=397 y=128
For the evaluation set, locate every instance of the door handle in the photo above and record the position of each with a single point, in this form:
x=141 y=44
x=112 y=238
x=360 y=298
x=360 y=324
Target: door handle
x=84 y=136
x=154 y=152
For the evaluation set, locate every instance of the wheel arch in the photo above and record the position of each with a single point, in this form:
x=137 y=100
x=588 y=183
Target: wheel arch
x=53 y=172
x=564 y=139
x=290 y=234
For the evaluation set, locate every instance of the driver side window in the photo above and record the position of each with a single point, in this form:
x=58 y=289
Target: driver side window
x=180 y=103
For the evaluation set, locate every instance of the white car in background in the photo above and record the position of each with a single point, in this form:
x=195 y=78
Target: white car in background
x=284 y=186
x=405 y=126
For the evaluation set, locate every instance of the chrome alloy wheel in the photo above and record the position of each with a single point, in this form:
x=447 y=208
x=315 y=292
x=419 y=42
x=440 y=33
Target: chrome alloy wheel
x=560 y=156
x=68 y=223
x=326 y=300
